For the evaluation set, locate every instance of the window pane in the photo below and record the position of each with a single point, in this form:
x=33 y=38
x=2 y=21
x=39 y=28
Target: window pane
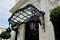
x=14 y=16
x=25 y=14
x=29 y=8
x=20 y=12
x=25 y=18
x=29 y=13
x=28 y=16
x=25 y=10
x=22 y=20
x=18 y=19
x=17 y=14
x=15 y=20
x=21 y=16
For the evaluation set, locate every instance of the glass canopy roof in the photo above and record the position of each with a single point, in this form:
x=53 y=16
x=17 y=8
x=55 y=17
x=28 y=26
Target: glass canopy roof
x=24 y=14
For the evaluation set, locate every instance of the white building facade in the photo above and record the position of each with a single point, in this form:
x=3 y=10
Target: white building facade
x=41 y=5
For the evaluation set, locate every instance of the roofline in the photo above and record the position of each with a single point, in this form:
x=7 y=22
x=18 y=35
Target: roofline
x=3 y=27
x=18 y=5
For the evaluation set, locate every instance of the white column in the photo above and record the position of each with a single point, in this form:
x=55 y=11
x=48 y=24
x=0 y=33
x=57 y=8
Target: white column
x=12 y=35
x=41 y=33
x=48 y=27
x=0 y=39
x=21 y=34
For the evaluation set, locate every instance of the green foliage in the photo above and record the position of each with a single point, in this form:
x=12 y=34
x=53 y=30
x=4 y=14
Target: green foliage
x=55 y=16
x=5 y=35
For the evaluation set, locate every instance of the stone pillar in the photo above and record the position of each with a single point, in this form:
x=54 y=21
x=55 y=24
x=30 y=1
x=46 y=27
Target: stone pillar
x=41 y=33
x=0 y=39
x=21 y=33
x=12 y=35
x=49 y=31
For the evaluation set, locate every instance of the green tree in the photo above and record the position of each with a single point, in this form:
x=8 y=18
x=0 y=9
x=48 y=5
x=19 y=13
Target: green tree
x=6 y=34
x=55 y=19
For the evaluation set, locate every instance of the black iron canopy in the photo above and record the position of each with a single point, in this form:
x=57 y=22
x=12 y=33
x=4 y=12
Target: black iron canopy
x=25 y=14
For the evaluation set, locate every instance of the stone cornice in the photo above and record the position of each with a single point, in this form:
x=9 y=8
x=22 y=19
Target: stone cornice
x=18 y=5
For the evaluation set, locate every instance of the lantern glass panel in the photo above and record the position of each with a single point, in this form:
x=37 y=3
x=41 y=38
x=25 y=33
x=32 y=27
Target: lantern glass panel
x=18 y=19
x=17 y=14
x=28 y=16
x=15 y=20
x=22 y=20
x=14 y=16
x=21 y=16
x=24 y=14
x=25 y=18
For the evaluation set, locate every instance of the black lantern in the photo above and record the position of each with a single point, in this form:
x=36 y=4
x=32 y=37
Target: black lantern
x=24 y=15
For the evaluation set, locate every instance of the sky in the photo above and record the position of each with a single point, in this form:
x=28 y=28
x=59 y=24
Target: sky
x=5 y=6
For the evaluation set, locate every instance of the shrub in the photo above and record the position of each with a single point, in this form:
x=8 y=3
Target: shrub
x=55 y=16
x=5 y=35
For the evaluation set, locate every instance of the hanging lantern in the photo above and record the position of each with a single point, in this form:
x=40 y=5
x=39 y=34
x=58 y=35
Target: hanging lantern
x=24 y=14
x=28 y=14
